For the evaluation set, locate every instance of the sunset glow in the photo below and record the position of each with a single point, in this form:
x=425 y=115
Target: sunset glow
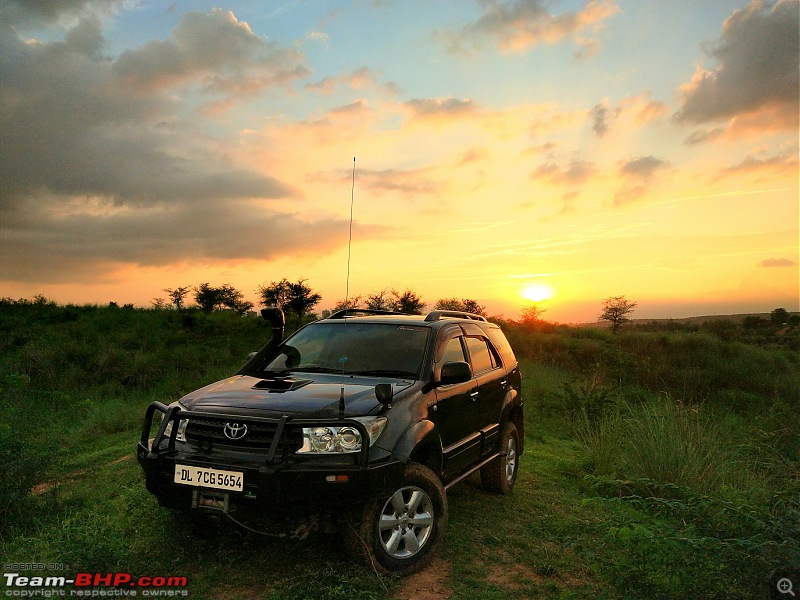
x=506 y=151
x=538 y=292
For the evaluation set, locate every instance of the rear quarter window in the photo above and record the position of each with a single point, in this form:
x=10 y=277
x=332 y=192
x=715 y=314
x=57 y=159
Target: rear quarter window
x=500 y=342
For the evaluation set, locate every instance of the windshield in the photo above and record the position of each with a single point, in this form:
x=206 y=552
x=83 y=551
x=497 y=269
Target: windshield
x=381 y=350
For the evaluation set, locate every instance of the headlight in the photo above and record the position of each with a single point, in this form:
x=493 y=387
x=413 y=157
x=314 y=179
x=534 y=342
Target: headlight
x=180 y=436
x=330 y=439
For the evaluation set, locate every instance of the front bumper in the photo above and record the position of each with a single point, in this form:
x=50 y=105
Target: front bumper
x=273 y=479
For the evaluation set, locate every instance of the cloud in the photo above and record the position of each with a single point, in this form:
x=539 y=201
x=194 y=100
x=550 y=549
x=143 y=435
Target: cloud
x=440 y=107
x=40 y=245
x=777 y=262
x=22 y=14
x=409 y=183
x=360 y=79
x=67 y=129
x=101 y=165
x=576 y=172
x=642 y=167
x=757 y=68
x=517 y=25
x=599 y=115
x=761 y=162
x=215 y=48
x=636 y=175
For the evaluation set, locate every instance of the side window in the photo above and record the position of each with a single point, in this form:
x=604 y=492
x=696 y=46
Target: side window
x=453 y=351
x=480 y=355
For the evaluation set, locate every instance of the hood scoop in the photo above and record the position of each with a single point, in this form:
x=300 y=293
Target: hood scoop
x=281 y=385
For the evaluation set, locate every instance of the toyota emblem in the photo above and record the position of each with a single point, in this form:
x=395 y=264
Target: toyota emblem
x=235 y=431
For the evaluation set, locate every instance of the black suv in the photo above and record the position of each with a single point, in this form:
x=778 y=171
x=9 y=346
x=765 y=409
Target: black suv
x=364 y=418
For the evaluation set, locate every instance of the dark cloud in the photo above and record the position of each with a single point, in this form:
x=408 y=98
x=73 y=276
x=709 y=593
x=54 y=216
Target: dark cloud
x=637 y=175
x=599 y=115
x=516 y=25
x=38 y=245
x=777 y=262
x=757 y=67
x=642 y=167
x=768 y=164
x=440 y=107
x=101 y=164
x=28 y=13
x=576 y=172
x=214 y=48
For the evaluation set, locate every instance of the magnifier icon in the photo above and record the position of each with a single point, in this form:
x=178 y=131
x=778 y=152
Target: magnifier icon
x=785 y=586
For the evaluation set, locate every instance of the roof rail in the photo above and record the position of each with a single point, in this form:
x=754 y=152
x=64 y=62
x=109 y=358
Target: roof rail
x=437 y=315
x=346 y=312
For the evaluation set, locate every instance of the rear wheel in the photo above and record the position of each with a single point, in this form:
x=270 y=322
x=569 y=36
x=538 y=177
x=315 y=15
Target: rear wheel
x=400 y=531
x=500 y=475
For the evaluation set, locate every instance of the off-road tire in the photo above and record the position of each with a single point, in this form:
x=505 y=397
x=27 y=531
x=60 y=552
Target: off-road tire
x=500 y=475
x=400 y=531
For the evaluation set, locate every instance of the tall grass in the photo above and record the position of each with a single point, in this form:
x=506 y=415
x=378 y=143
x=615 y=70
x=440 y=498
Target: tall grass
x=668 y=444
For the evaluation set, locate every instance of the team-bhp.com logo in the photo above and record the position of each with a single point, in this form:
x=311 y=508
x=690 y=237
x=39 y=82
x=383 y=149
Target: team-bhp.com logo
x=94 y=585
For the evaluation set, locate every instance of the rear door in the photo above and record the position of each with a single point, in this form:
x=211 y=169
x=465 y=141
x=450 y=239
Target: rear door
x=491 y=387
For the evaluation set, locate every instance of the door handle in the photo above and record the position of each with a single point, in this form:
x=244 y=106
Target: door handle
x=474 y=395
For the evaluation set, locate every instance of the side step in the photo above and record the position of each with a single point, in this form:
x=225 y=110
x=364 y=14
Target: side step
x=473 y=469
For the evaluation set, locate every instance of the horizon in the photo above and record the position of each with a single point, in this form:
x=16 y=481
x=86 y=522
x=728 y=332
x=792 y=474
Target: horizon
x=514 y=152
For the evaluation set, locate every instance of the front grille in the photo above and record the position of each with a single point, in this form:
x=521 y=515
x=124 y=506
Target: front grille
x=259 y=435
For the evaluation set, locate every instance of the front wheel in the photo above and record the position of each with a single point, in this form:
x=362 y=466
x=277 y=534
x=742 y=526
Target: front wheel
x=500 y=475
x=400 y=531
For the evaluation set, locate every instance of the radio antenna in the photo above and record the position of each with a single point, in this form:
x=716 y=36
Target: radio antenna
x=350 y=238
x=347 y=283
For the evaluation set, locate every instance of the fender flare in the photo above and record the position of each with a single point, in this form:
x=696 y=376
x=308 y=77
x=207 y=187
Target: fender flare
x=410 y=439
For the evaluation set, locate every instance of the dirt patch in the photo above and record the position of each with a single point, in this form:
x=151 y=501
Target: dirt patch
x=430 y=584
x=511 y=578
x=46 y=486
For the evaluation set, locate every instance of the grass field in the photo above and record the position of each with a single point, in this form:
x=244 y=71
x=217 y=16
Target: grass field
x=658 y=464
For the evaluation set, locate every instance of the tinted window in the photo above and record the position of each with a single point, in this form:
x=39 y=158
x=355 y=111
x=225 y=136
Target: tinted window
x=453 y=351
x=354 y=348
x=480 y=355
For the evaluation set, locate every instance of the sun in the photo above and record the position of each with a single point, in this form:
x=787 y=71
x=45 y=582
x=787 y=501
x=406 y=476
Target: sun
x=538 y=292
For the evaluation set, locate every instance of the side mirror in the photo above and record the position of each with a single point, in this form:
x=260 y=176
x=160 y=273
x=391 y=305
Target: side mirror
x=384 y=393
x=250 y=356
x=455 y=372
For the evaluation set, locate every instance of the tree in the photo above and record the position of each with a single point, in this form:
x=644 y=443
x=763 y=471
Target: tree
x=615 y=311
x=296 y=298
x=302 y=299
x=348 y=303
x=177 y=295
x=275 y=294
x=233 y=299
x=408 y=302
x=779 y=316
x=532 y=315
x=464 y=305
x=379 y=301
x=211 y=298
x=207 y=297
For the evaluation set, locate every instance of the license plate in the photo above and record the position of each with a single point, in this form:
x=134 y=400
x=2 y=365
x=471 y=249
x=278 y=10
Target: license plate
x=209 y=478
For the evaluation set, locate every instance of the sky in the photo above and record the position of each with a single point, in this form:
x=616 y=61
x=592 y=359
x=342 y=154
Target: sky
x=516 y=152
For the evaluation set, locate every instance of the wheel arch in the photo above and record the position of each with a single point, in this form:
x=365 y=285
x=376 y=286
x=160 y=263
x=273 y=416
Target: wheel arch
x=419 y=443
x=512 y=411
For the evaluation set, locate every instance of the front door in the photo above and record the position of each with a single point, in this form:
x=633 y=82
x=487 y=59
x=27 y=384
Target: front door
x=457 y=413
